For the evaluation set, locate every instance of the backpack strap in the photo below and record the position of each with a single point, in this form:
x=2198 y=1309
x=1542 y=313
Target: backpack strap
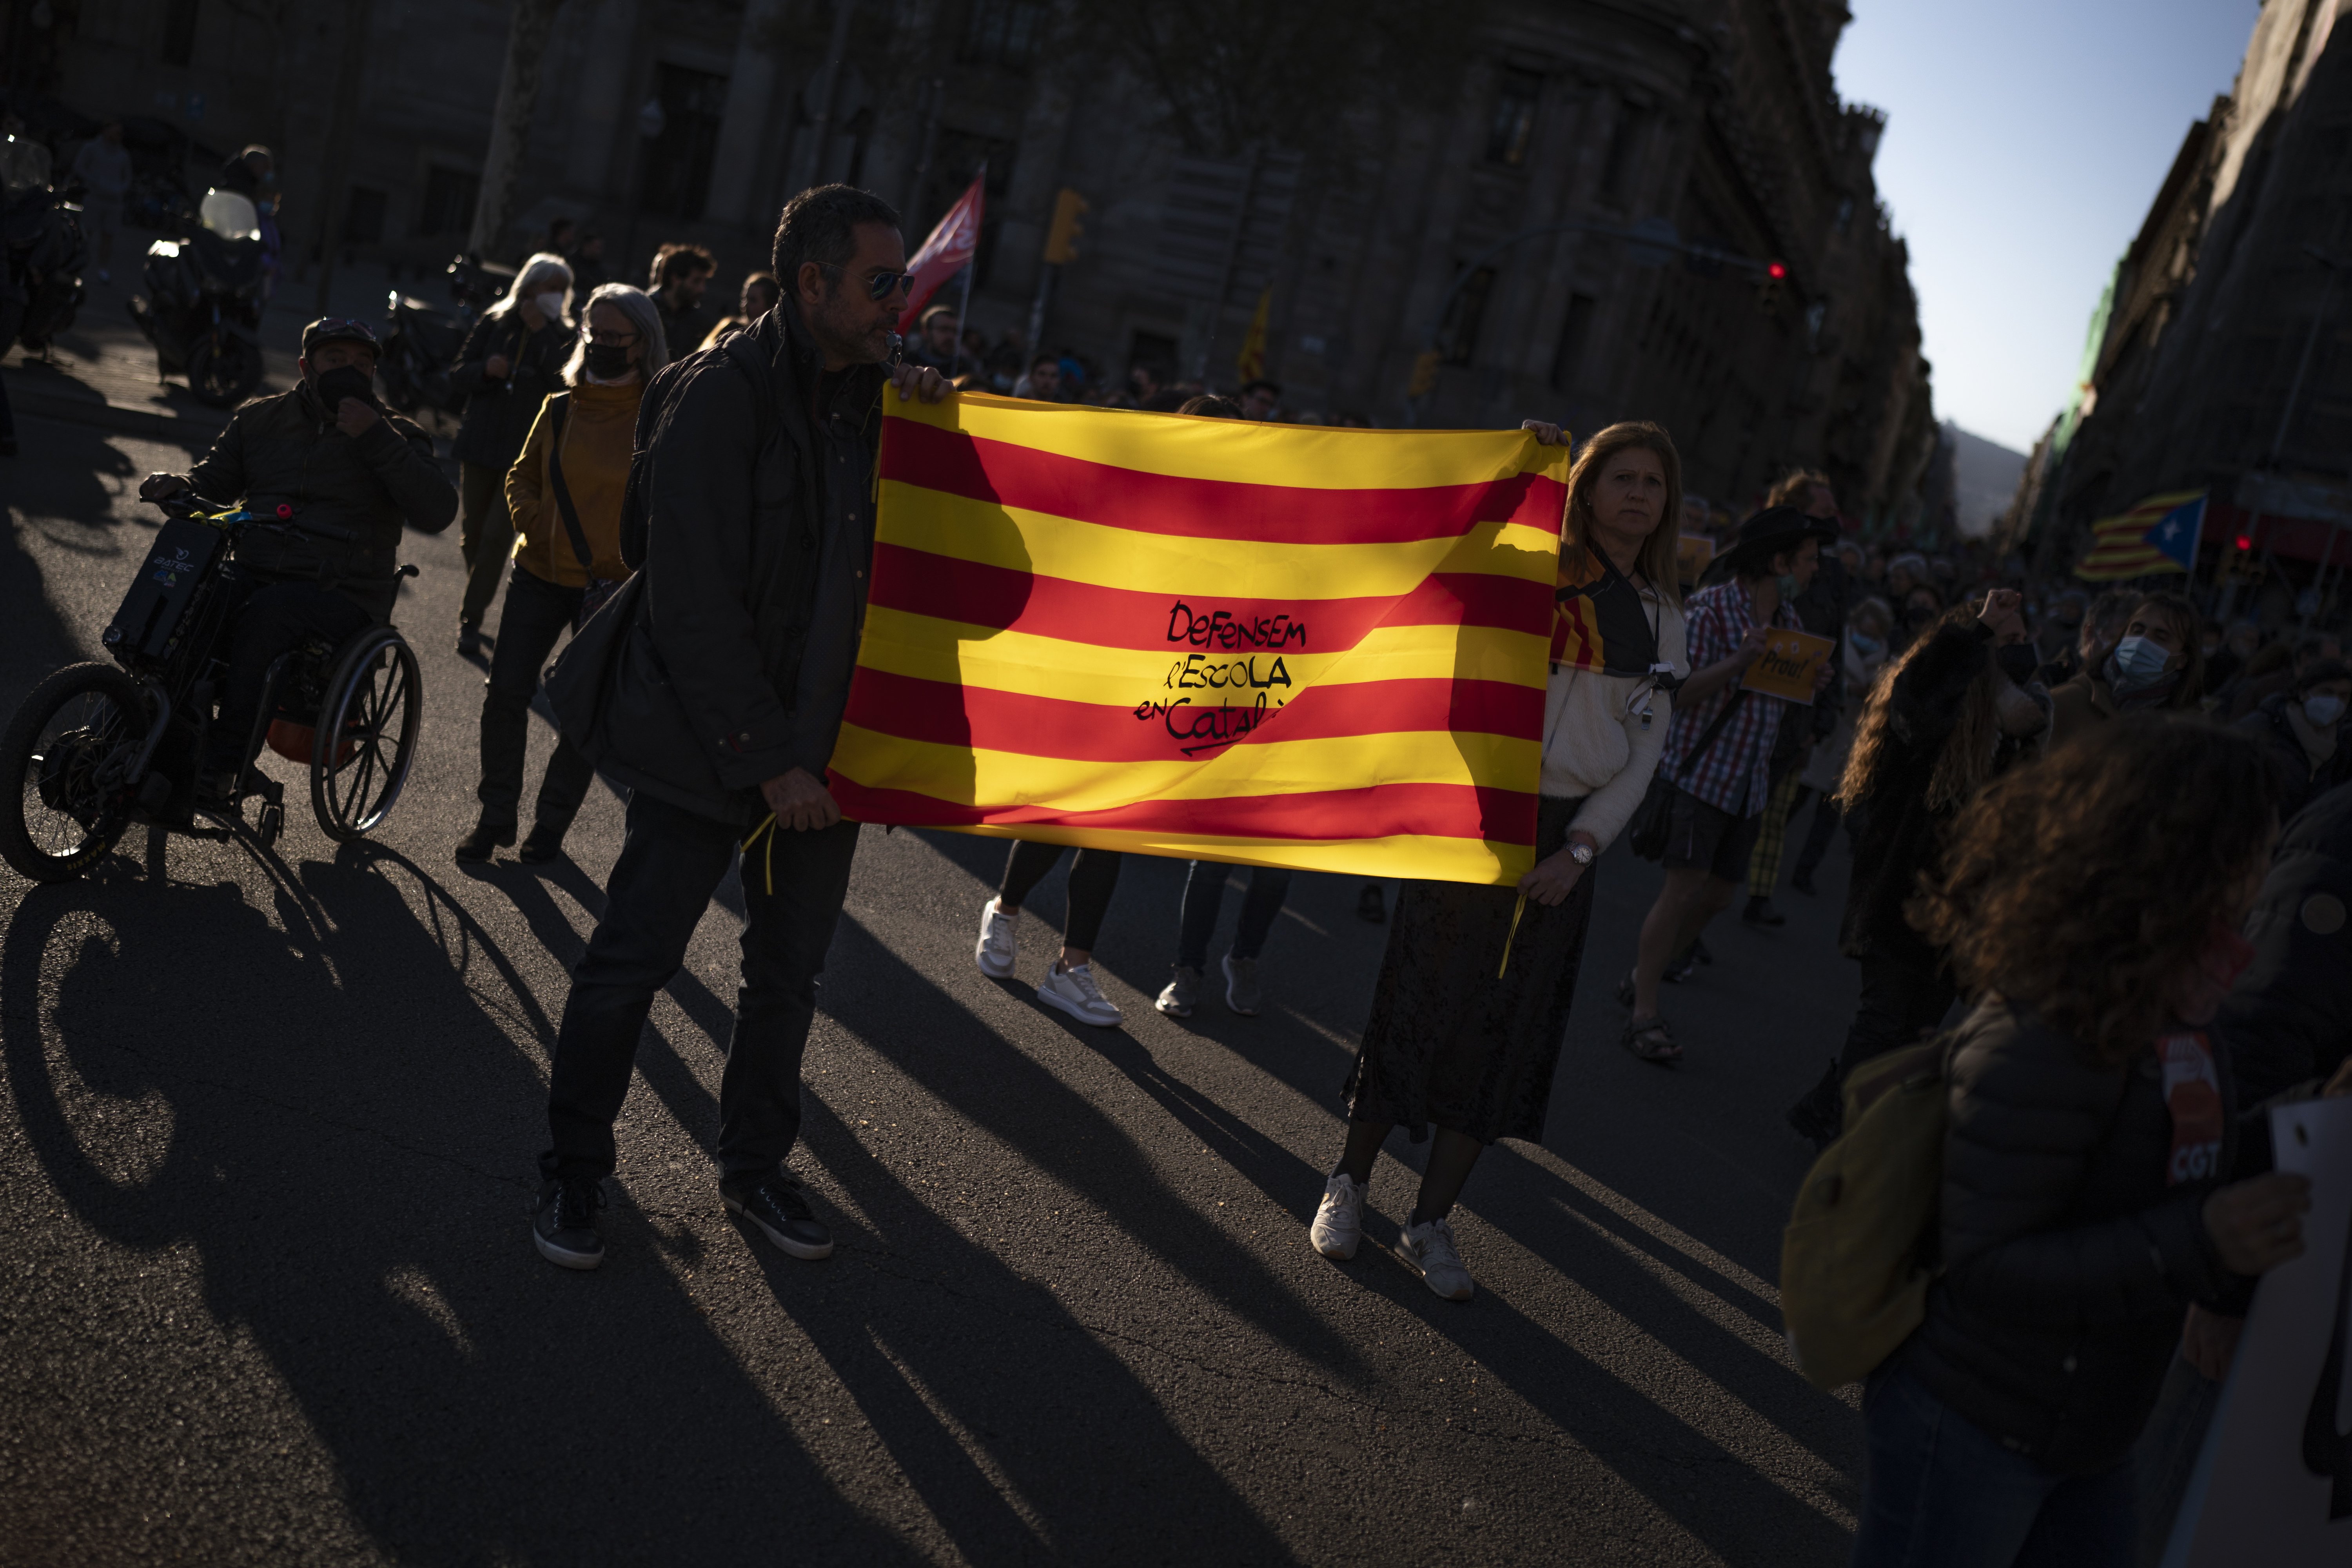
x=556 y=407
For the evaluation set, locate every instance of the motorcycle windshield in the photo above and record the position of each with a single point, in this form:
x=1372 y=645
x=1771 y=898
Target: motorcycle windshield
x=229 y=215
x=235 y=264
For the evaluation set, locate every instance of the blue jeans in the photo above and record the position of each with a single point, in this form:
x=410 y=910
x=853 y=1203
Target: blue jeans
x=1204 y=892
x=1938 y=1492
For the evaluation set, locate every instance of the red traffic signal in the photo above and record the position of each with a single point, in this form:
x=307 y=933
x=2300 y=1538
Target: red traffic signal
x=2244 y=542
x=1776 y=271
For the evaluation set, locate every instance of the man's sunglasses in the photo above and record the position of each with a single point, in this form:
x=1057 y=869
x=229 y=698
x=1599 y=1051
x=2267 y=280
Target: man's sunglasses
x=882 y=284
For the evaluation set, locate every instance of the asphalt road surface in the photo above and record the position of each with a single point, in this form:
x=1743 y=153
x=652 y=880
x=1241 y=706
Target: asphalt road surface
x=266 y=1130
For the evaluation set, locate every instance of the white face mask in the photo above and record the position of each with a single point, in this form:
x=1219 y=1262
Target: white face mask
x=550 y=304
x=2323 y=708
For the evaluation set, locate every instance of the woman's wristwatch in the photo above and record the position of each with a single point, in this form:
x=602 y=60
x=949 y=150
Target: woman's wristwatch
x=1581 y=850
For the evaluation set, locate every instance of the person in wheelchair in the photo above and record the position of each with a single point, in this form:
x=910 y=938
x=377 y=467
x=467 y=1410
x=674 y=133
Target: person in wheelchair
x=330 y=452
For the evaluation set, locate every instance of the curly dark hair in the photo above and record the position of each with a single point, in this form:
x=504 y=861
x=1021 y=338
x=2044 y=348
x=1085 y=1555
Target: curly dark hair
x=2083 y=885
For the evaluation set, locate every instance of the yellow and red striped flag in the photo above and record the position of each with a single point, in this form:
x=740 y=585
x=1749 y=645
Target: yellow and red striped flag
x=2160 y=534
x=1271 y=645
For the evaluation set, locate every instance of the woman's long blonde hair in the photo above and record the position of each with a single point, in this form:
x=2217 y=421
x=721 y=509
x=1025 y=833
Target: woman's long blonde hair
x=1966 y=761
x=1658 y=550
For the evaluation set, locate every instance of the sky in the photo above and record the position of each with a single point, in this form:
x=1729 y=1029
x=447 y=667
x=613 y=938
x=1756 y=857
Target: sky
x=2024 y=140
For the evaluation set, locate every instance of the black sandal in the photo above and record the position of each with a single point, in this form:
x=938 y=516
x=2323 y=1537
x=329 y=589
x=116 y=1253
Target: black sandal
x=1649 y=1040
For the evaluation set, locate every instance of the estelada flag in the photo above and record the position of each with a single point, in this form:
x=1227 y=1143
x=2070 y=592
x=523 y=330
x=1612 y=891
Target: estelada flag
x=1270 y=644
x=948 y=250
x=2160 y=534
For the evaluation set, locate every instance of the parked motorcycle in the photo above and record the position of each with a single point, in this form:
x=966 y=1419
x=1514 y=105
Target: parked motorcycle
x=203 y=306
x=41 y=287
x=420 y=347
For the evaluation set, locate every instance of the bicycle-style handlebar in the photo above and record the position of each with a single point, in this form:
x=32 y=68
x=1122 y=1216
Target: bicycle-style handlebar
x=186 y=504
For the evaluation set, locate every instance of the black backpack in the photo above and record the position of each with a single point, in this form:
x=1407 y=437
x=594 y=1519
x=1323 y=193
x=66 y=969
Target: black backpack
x=653 y=415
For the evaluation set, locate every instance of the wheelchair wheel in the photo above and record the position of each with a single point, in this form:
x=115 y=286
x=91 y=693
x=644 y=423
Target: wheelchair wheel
x=64 y=793
x=367 y=734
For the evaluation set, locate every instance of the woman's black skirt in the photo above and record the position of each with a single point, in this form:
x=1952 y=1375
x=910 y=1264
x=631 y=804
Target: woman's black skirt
x=1450 y=1041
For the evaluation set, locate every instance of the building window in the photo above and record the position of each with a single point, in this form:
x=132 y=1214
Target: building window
x=449 y=198
x=363 y=216
x=179 y=32
x=1575 y=333
x=1002 y=32
x=1624 y=152
x=674 y=180
x=1457 y=340
x=1512 y=130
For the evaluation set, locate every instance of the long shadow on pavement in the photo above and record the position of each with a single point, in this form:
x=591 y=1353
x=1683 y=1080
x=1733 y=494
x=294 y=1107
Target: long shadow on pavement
x=320 y=1116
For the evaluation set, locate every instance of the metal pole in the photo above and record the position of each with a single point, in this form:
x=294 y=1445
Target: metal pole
x=349 y=80
x=963 y=311
x=1233 y=261
x=2310 y=341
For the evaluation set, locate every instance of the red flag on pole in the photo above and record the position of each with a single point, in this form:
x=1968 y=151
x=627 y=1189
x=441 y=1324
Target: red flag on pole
x=946 y=251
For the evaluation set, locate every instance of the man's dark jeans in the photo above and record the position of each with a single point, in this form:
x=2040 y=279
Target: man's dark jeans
x=537 y=613
x=670 y=862
x=1205 y=890
x=1898 y=1000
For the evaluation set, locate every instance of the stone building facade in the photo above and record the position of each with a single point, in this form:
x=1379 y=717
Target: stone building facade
x=2224 y=359
x=1711 y=123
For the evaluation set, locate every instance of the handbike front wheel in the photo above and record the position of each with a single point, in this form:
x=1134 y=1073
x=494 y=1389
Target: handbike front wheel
x=366 y=737
x=63 y=759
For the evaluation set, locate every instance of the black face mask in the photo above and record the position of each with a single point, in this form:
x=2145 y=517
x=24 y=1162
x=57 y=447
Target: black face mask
x=2018 y=661
x=344 y=381
x=607 y=362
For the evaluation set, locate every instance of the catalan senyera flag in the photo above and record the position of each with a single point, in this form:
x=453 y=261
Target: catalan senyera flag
x=1265 y=644
x=2160 y=534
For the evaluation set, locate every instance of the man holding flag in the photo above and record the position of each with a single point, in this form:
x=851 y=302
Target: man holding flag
x=712 y=687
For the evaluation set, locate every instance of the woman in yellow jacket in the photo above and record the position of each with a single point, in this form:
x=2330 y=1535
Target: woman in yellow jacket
x=564 y=493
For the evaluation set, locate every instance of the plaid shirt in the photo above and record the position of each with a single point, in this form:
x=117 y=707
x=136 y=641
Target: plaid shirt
x=1736 y=774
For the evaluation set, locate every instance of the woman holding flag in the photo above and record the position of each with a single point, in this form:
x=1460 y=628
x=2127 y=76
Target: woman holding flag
x=1474 y=991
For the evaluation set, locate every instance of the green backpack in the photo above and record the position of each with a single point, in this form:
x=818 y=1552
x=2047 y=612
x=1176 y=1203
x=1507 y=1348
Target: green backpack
x=1856 y=1259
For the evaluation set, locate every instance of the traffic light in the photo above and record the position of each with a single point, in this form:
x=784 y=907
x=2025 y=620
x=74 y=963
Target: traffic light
x=1768 y=291
x=1424 y=374
x=1061 y=239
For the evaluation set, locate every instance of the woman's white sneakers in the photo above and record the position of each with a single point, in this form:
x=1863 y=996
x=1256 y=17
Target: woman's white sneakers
x=1073 y=992
x=1429 y=1249
x=1000 y=942
x=1340 y=1219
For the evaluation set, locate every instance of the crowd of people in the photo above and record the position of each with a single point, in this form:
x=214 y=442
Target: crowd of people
x=2064 y=816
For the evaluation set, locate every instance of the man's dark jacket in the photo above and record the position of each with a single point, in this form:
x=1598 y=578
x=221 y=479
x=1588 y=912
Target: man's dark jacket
x=702 y=698
x=2067 y=1260
x=498 y=413
x=2290 y=1017
x=1899 y=834
x=286 y=449
x=2299 y=783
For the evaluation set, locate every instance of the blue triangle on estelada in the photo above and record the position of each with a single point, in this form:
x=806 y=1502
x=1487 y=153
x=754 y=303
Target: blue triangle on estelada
x=2174 y=533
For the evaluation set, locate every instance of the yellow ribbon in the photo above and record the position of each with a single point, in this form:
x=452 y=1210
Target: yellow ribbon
x=1516 y=910
x=768 y=826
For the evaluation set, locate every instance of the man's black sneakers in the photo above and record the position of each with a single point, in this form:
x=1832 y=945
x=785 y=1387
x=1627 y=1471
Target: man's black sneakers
x=778 y=1206
x=563 y=1223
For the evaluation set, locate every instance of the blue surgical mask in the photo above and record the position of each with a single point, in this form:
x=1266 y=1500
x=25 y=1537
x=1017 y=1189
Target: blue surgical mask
x=2323 y=708
x=2137 y=662
x=1864 y=646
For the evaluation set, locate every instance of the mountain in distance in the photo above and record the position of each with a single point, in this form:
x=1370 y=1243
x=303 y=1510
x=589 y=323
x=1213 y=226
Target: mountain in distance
x=1985 y=476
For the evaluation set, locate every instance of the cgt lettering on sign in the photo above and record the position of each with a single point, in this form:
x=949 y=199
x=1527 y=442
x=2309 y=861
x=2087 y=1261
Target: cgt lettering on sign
x=1197 y=729
x=1223 y=628
x=1194 y=672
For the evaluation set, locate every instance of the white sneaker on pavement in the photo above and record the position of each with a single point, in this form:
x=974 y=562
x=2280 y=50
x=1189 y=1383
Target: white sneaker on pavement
x=1428 y=1250
x=1181 y=991
x=1340 y=1219
x=1073 y=991
x=1242 y=994
x=1000 y=942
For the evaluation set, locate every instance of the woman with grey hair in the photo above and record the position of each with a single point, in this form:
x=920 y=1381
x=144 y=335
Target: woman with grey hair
x=508 y=366
x=564 y=494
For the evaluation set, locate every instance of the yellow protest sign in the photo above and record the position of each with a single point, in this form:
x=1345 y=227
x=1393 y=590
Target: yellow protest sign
x=1785 y=669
